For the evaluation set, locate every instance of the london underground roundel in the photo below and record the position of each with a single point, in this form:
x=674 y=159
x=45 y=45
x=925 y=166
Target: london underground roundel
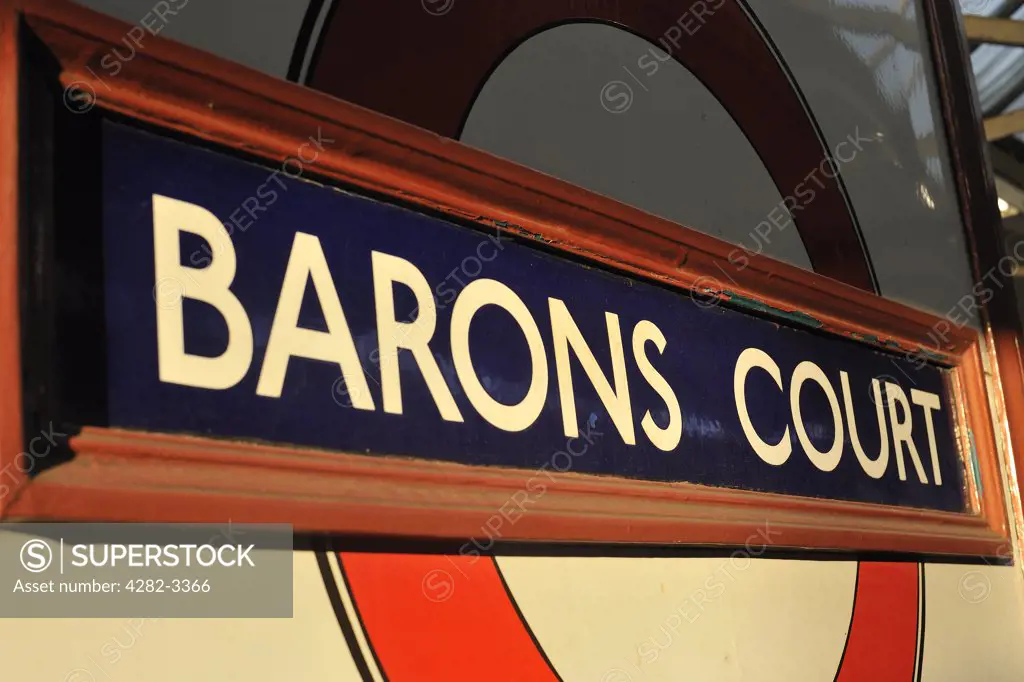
x=809 y=133
x=694 y=114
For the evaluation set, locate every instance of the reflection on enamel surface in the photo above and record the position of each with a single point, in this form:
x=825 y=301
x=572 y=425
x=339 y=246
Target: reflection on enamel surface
x=661 y=141
x=865 y=65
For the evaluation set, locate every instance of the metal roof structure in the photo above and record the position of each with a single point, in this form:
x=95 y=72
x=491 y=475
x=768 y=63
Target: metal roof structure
x=996 y=31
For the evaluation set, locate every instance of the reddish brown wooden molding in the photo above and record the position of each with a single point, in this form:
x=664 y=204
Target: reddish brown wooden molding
x=11 y=439
x=127 y=476
x=136 y=476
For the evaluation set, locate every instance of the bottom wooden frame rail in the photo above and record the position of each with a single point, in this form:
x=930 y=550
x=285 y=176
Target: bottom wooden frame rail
x=131 y=476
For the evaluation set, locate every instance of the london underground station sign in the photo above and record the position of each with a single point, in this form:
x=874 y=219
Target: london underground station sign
x=245 y=304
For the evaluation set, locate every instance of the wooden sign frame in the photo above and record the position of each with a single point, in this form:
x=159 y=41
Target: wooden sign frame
x=119 y=475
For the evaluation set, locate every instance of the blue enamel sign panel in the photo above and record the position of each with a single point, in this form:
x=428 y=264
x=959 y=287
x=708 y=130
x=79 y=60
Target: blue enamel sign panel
x=250 y=303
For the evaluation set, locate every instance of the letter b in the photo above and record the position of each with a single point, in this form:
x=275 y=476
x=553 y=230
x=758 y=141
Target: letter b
x=210 y=285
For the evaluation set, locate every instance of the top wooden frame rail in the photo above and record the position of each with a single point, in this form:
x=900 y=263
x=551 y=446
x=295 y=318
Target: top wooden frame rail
x=124 y=476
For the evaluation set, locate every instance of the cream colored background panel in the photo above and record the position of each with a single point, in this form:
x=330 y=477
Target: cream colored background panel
x=309 y=646
x=665 y=620
x=974 y=624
